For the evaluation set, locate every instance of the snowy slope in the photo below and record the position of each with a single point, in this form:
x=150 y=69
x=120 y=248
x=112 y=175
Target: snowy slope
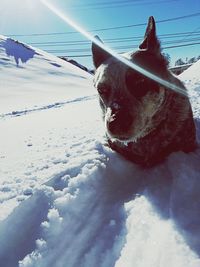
x=66 y=200
x=25 y=73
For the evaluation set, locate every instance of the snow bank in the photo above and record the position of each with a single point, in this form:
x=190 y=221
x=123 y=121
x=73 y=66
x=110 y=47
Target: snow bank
x=112 y=213
x=191 y=79
x=68 y=200
x=152 y=241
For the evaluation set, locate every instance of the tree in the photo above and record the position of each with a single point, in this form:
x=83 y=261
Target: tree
x=168 y=58
x=179 y=62
x=192 y=60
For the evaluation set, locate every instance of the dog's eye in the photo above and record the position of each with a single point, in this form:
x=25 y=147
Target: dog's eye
x=103 y=91
x=140 y=88
x=137 y=84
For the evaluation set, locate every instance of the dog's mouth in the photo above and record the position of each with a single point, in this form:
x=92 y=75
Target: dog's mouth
x=124 y=128
x=119 y=127
x=123 y=139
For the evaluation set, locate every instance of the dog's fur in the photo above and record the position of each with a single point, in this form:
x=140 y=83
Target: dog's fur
x=144 y=121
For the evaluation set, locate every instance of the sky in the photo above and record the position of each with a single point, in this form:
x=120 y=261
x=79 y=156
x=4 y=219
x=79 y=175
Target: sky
x=31 y=22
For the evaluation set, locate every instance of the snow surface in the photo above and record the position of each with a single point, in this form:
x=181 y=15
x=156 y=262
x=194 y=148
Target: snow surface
x=66 y=199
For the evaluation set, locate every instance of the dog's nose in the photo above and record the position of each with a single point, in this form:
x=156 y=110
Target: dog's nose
x=119 y=123
x=115 y=106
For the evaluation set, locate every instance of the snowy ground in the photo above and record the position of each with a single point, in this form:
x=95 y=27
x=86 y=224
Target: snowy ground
x=66 y=200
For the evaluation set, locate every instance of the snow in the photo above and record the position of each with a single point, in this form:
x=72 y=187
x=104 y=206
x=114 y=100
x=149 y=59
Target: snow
x=66 y=199
x=33 y=70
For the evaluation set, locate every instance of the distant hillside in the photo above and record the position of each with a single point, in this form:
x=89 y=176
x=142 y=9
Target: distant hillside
x=74 y=62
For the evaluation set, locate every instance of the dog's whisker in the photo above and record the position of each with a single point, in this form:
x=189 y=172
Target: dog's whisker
x=130 y=64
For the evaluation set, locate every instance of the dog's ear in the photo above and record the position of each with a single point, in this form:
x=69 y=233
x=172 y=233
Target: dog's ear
x=151 y=42
x=99 y=55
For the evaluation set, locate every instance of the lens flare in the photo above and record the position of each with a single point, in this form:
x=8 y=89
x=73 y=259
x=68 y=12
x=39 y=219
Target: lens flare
x=130 y=64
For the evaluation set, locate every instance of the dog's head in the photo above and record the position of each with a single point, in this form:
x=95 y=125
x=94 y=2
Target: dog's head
x=130 y=101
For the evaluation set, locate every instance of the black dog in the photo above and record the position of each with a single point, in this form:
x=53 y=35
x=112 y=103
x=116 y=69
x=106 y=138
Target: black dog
x=144 y=120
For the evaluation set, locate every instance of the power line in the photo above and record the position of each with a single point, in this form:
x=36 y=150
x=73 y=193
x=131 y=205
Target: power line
x=167 y=47
x=120 y=47
x=109 y=3
x=196 y=30
x=118 y=40
x=110 y=28
x=116 y=48
x=116 y=4
x=167 y=35
x=75 y=56
x=175 y=46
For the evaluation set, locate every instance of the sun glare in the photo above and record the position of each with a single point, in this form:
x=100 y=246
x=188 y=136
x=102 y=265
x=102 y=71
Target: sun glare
x=78 y=28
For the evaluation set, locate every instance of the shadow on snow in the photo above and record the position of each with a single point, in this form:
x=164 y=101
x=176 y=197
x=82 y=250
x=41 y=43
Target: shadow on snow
x=18 y=50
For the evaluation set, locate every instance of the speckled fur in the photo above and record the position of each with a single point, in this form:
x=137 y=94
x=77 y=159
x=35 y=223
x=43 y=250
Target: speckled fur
x=146 y=126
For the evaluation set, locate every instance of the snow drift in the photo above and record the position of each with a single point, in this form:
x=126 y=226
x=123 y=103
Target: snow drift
x=66 y=198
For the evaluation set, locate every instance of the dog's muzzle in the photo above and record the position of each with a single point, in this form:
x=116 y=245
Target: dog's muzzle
x=118 y=122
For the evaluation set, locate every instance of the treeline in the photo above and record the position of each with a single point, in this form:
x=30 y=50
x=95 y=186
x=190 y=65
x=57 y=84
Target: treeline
x=192 y=60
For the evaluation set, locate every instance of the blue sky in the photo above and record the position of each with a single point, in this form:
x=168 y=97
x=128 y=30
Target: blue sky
x=20 y=17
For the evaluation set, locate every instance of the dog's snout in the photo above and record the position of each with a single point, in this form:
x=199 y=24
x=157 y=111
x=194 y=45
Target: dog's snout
x=119 y=124
x=115 y=106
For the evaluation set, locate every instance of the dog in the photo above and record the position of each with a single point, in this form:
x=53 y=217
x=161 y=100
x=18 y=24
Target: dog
x=144 y=120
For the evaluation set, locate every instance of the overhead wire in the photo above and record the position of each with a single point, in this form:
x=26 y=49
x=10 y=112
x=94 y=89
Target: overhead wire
x=98 y=4
x=116 y=48
x=171 y=44
x=56 y=11
x=60 y=44
x=119 y=39
x=108 y=28
x=114 y=4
